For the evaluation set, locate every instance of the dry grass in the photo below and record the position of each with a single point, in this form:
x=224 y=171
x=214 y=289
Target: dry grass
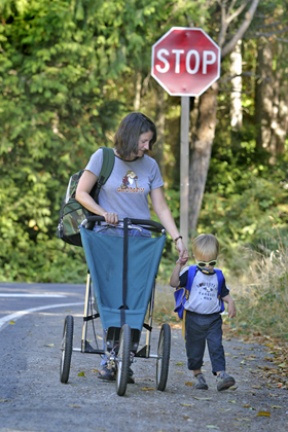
x=262 y=295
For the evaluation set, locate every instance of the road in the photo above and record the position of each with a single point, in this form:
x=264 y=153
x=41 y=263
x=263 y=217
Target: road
x=17 y=300
x=32 y=399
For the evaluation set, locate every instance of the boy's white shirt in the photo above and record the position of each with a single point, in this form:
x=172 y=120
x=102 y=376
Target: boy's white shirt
x=203 y=298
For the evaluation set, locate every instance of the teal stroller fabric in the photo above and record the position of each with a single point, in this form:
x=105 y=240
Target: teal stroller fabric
x=104 y=256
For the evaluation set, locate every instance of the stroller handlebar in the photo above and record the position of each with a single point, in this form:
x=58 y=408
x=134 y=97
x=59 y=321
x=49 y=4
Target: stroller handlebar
x=147 y=223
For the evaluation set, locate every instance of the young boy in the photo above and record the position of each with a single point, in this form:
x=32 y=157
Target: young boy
x=203 y=321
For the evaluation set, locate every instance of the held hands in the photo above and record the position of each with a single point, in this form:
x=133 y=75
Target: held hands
x=183 y=253
x=182 y=261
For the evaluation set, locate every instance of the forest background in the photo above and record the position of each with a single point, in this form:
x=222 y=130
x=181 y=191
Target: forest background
x=71 y=69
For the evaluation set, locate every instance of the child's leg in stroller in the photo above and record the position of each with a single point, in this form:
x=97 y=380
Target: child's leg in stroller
x=108 y=370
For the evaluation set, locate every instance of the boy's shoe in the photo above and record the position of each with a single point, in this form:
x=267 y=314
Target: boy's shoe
x=224 y=381
x=201 y=384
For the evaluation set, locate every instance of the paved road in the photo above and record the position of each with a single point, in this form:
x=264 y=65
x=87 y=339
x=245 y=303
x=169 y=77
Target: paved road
x=21 y=299
x=32 y=399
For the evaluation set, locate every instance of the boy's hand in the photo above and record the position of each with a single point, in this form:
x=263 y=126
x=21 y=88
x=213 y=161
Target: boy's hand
x=231 y=310
x=182 y=260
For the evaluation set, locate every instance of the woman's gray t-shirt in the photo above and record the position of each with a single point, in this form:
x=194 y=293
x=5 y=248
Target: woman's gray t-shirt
x=126 y=190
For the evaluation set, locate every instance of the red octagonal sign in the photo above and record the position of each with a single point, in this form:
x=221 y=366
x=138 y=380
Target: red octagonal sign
x=185 y=61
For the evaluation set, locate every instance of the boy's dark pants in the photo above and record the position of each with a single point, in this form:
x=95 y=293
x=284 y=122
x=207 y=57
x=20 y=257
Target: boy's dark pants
x=198 y=329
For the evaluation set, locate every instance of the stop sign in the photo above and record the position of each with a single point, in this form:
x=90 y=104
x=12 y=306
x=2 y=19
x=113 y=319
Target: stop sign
x=185 y=61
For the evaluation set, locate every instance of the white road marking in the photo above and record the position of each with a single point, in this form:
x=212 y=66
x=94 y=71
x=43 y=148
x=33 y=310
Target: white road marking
x=19 y=314
x=33 y=295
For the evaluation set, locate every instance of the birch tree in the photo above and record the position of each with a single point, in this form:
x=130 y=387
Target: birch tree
x=230 y=13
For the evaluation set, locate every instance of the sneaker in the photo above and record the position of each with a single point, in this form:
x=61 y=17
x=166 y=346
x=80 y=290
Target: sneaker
x=201 y=384
x=224 y=381
x=108 y=374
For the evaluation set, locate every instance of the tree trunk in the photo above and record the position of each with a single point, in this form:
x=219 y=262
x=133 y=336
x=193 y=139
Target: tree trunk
x=137 y=94
x=270 y=106
x=202 y=140
x=236 y=81
x=201 y=146
x=158 y=151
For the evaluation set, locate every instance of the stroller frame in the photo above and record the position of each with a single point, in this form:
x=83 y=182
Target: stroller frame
x=122 y=341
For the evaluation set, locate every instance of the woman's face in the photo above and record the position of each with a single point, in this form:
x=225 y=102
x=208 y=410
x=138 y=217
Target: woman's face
x=144 y=143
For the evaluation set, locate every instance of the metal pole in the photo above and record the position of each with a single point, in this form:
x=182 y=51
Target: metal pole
x=184 y=168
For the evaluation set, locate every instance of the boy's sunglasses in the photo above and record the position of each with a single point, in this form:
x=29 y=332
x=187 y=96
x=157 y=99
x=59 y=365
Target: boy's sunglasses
x=205 y=264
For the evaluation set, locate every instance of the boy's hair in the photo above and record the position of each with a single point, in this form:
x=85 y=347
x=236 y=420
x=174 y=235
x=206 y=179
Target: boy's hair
x=205 y=247
x=131 y=127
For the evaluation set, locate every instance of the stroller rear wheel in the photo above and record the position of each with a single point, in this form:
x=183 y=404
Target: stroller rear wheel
x=163 y=357
x=67 y=347
x=123 y=359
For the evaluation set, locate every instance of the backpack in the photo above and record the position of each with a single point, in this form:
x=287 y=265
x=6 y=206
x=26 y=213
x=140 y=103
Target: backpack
x=181 y=294
x=72 y=213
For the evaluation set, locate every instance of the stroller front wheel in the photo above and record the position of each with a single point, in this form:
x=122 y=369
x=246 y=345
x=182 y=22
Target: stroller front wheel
x=163 y=357
x=67 y=347
x=123 y=359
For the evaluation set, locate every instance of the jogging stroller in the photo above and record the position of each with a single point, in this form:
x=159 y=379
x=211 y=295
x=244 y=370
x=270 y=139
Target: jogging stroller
x=121 y=287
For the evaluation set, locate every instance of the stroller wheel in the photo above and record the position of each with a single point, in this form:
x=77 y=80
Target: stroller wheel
x=163 y=357
x=67 y=347
x=123 y=360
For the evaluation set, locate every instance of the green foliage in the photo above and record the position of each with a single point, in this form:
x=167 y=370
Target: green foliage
x=245 y=203
x=56 y=66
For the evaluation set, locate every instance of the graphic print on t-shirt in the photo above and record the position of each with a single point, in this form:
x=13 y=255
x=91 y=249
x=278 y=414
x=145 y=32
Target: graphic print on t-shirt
x=130 y=183
x=206 y=291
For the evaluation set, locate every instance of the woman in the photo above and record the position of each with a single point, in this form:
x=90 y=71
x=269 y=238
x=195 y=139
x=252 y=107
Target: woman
x=135 y=176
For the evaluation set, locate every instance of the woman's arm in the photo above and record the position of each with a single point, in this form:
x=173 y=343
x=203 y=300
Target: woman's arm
x=164 y=214
x=84 y=187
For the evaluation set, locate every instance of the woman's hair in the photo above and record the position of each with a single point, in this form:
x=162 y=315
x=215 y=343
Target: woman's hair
x=127 y=136
x=205 y=247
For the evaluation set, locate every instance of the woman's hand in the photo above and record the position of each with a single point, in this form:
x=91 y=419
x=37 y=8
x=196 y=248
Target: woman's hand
x=111 y=218
x=183 y=253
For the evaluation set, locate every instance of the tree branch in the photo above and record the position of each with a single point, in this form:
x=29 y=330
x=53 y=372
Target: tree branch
x=238 y=11
x=241 y=31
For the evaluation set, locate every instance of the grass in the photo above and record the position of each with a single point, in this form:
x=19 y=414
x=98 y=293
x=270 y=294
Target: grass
x=262 y=295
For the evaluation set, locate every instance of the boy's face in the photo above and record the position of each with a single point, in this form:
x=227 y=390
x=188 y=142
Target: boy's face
x=206 y=263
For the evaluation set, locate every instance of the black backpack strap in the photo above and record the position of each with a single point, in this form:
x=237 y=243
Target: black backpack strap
x=107 y=167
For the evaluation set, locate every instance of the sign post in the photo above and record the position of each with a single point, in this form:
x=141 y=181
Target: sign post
x=184 y=168
x=185 y=62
